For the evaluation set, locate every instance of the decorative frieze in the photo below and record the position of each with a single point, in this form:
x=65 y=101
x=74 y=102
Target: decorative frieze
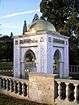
x=16 y=42
x=58 y=41
x=49 y=39
x=41 y=39
x=28 y=41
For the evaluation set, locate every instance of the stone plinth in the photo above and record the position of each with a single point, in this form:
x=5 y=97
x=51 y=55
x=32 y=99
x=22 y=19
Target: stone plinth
x=41 y=88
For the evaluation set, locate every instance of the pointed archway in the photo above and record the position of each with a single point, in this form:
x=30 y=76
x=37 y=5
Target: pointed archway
x=30 y=62
x=57 y=60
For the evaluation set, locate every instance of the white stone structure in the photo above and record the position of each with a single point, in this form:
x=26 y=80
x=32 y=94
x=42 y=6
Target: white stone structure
x=41 y=49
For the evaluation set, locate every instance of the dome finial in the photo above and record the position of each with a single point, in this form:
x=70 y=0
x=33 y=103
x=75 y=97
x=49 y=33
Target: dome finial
x=36 y=17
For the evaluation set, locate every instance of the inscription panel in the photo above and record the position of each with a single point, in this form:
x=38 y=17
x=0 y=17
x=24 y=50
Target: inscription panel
x=58 y=41
x=28 y=41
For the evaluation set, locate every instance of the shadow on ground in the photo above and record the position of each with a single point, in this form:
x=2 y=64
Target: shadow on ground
x=7 y=100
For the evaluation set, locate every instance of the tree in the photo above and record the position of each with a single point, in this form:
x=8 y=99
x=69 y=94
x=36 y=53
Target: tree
x=11 y=35
x=64 y=15
x=0 y=33
x=55 y=11
x=6 y=48
x=24 y=27
x=61 y=14
x=73 y=51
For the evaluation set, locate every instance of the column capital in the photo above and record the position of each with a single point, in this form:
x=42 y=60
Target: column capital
x=59 y=82
x=67 y=84
x=75 y=85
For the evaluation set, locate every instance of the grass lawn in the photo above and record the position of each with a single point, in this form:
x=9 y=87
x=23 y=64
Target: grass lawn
x=6 y=100
x=5 y=65
x=75 y=76
x=5 y=68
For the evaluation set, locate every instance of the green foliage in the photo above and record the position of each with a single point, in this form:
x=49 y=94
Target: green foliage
x=54 y=10
x=65 y=21
x=6 y=68
x=6 y=65
x=11 y=35
x=24 y=27
x=6 y=48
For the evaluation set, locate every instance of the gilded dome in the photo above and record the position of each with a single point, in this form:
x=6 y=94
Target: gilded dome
x=41 y=25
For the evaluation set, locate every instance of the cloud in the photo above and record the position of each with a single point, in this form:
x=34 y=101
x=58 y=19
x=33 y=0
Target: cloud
x=10 y=26
x=19 y=13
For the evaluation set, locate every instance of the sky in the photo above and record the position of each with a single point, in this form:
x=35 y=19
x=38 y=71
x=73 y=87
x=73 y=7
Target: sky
x=14 y=12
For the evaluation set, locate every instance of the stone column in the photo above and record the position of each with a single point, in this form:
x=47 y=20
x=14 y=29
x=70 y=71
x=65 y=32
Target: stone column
x=10 y=85
x=59 y=90
x=75 y=93
x=19 y=88
x=23 y=89
x=61 y=69
x=0 y=83
x=67 y=91
x=7 y=83
x=3 y=83
x=23 y=70
x=14 y=86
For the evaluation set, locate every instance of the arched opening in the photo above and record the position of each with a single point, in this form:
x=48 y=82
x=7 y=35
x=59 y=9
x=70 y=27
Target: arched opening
x=30 y=62
x=57 y=59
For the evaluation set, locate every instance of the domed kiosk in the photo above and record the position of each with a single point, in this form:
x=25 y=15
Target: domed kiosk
x=41 y=25
x=41 y=49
